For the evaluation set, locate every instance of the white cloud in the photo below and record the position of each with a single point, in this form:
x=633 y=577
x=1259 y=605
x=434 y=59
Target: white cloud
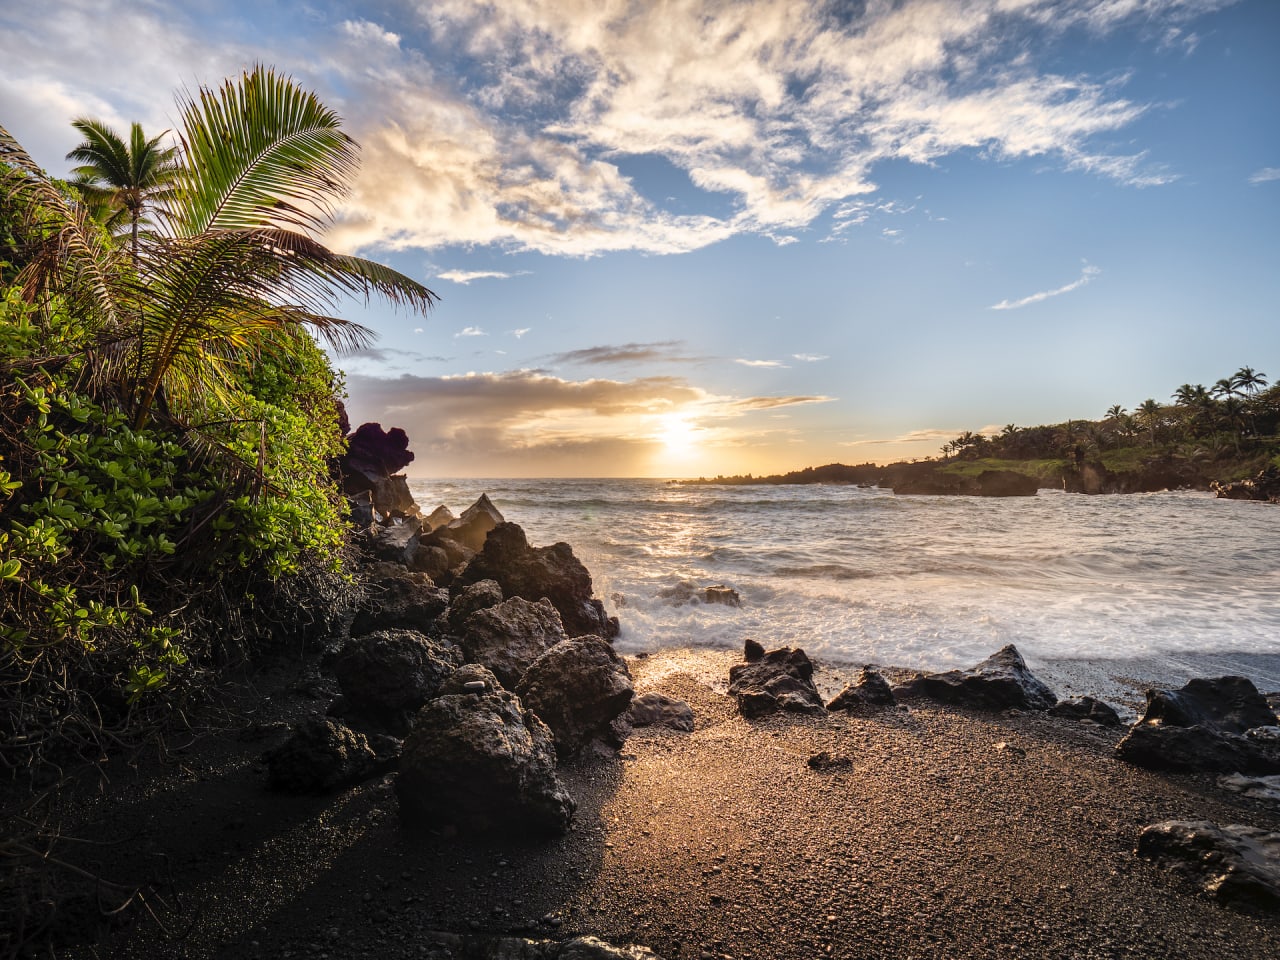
x=1265 y=175
x=464 y=277
x=1087 y=274
x=758 y=363
x=470 y=332
x=518 y=334
x=810 y=357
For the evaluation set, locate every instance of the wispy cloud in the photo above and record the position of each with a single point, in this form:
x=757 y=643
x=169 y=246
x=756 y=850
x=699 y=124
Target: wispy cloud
x=759 y=363
x=810 y=357
x=931 y=435
x=1087 y=274
x=663 y=351
x=470 y=332
x=1265 y=175
x=465 y=277
x=519 y=333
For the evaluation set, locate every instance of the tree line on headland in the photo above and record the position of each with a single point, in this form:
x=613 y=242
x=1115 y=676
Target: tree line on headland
x=1205 y=435
x=168 y=422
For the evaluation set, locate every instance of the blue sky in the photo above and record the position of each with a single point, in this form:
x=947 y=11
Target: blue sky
x=689 y=238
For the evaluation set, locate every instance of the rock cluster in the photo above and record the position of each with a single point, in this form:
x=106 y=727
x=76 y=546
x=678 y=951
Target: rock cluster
x=779 y=680
x=1000 y=682
x=482 y=680
x=1204 y=726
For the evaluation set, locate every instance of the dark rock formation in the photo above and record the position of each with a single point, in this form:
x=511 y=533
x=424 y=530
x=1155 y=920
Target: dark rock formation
x=395 y=543
x=387 y=673
x=507 y=637
x=1201 y=727
x=441 y=516
x=372 y=459
x=536 y=572
x=1156 y=473
x=722 y=594
x=659 y=710
x=480 y=760
x=474 y=525
x=440 y=557
x=869 y=690
x=780 y=680
x=752 y=650
x=321 y=754
x=997 y=683
x=409 y=601
x=1233 y=864
x=475 y=596
x=578 y=688
x=1188 y=749
x=1265 y=486
x=1087 y=709
x=688 y=591
x=1228 y=703
x=928 y=478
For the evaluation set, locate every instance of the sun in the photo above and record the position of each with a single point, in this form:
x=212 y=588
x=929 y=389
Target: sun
x=676 y=433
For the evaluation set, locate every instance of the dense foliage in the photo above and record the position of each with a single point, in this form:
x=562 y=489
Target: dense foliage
x=167 y=420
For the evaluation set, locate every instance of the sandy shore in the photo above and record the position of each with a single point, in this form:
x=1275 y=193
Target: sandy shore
x=950 y=834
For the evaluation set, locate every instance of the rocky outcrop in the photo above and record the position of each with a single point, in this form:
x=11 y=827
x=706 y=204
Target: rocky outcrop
x=441 y=516
x=1265 y=486
x=869 y=691
x=578 y=688
x=405 y=601
x=930 y=479
x=480 y=760
x=509 y=636
x=1000 y=682
x=689 y=591
x=476 y=596
x=1233 y=864
x=1202 y=726
x=440 y=557
x=321 y=754
x=659 y=710
x=474 y=525
x=371 y=464
x=387 y=673
x=1087 y=710
x=781 y=680
x=394 y=542
x=1155 y=474
x=536 y=572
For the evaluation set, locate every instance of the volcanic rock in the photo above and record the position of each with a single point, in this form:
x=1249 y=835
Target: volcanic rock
x=474 y=525
x=536 y=572
x=780 y=680
x=1265 y=486
x=407 y=601
x=386 y=673
x=578 y=688
x=481 y=761
x=1233 y=864
x=999 y=682
x=659 y=710
x=321 y=754
x=373 y=457
x=507 y=637
x=473 y=597
x=1201 y=727
x=869 y=690
x=1087 y=710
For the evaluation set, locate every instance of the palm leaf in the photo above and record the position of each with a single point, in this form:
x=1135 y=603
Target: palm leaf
x=260 y=152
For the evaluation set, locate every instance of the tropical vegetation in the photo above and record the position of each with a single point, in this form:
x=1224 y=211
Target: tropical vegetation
x=167 y=417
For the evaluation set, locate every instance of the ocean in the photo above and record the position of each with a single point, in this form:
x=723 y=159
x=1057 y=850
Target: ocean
x=1158 y=586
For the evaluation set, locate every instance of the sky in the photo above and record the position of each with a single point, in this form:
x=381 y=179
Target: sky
x=679 y=238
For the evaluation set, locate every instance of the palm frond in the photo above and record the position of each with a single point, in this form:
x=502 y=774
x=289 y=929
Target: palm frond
x=260 y=152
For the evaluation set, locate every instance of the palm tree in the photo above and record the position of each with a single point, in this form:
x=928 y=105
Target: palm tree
x=1115 y=412
x=1249 y=380
x=236 y=260
x=119 y=180
x=1150 y=412
x=1225 y=387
